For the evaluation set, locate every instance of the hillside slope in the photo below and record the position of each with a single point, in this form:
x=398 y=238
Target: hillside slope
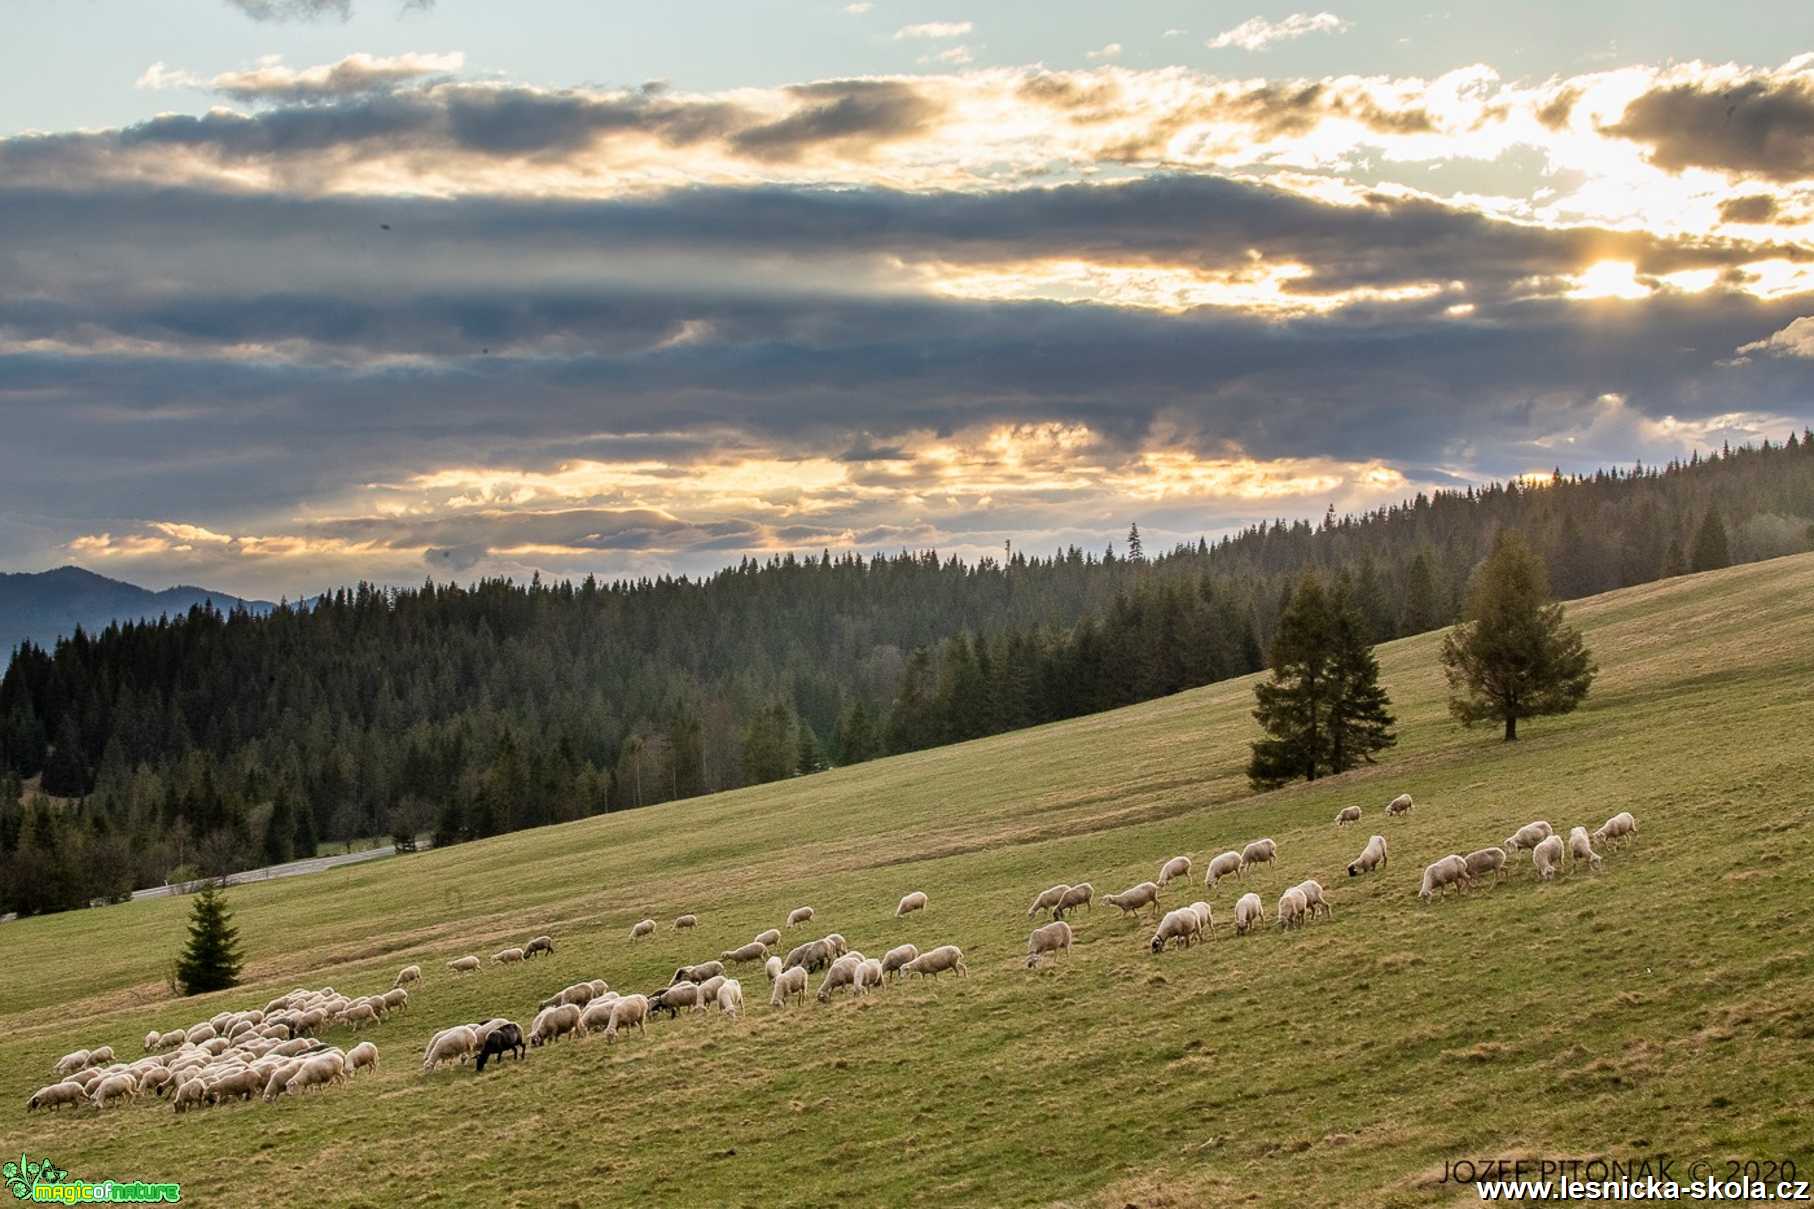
x=43 y=606
x=1662 y=1005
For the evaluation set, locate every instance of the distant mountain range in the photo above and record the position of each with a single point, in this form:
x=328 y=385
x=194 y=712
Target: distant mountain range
x=44 y=605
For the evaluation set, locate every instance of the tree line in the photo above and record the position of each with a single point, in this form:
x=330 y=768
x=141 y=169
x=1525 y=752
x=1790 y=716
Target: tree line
x=207 y=743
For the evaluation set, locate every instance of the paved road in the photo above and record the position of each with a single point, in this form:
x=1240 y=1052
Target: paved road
x=314 y=864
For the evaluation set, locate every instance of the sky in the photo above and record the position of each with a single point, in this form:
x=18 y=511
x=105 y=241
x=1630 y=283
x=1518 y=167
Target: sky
x=300 y=292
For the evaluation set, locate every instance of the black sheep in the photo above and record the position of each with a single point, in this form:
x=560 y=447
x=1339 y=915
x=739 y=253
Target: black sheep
x=504 y=1039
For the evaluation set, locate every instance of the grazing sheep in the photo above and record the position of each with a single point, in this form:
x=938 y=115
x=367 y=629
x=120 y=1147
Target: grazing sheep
x=1619 y=827
x=396 y=1000
x=1292 y=905
x=1348 y=814
x=1205 y=914
x=70 y=1063
x=1182 y=926
x=791 y=984
x=1486 y=860
x=1451 y=870
x=772 y=967
x=1580 y=848
x=686 y=921
x=507 y=1038
x=597 y=1014
x=1135 y=897
x=897 y=957
x=1398 y=805
x=363 y=1014
x=408 y=974
x=56 y=1095
x=770 y=938
x=1178 y=866
x=911 y=902
x=1250 y=913
x=868 y=976
x=194 y=1093
x=799 y=915
x=1077 y=896
x=843 y=973
x=1047 y=900
x=674 y=997
x=155 y=1079
x=1372 y=857
x=242 y=1084
x=361 y=1056
x=837 y=944
x=111 y=1088
x=641 y=928
x=579 y=995
x=151 y=1041
x=506 y=956
x=1529 y=836
x=318 y=1071
x=464 y=965
x=730 y=998
x=169 y=1041
x=1314 y=899
x=814 y=955
x=100 y=1057
x=1260 y=852
x=199 y=1033
x=1221 y=866
x=698 y=973
x=755 y=950
x=455 y=1043
x=937 y=961
x=553 y=1023
x=1546 y=857
x=1055 y=937
x=540 y=944
x=630 y=1010
x=708 y=990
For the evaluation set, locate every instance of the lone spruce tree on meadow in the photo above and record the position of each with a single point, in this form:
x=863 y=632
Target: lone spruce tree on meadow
x=212 y=958
x=1513 y=656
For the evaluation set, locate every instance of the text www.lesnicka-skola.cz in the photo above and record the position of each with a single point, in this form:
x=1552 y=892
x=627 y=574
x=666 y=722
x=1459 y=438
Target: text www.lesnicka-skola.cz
x=1652 y=1178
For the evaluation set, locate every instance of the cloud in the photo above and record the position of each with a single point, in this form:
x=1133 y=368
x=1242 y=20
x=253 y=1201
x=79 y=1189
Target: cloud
x=1257 y=33
x=1111 y=51
x=836 y=111
x=1754 y=208
x=859 y=8
x=314 y=10
x=1795 y=340
x=955 y=55
x=274 y=82
x=1760 y=125
x=933 y=30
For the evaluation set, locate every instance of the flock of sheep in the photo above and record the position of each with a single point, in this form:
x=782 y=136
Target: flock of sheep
x=274 y=1051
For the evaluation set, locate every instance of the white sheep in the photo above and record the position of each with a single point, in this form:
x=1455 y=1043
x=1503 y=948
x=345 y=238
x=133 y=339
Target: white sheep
x=1529 y=836
x=111 y=1088
x=915 y=901
x=1054 y=937
x=843 y=973
x=396 y=1000
x=317 y=1071
x=868 y=975
x=464 y=965
x=1178 y=866
x=676 y=996
x=506 y=956
x=1398 y=805
x=772 y=967
x=151 y=1040
x=1135 y=897
x=937 y=961
x=1222 y=866
x=1205 y=914
x=553 y=1023
x=100 y=1057
x=597 y=1014
x=1619 y=827
x=457 y=1043
x=1580 y=848
x=361 y=1056
x=898 y=957
x=1347 y=814
x=641 y=928
x=1260 y=852
x=1451 y=870
x=708 y=990
x=686 y=921
x=1292 y=906
x=1250 y=913
x=1182 y=927
x=770 y=937
x=835 y=942
x=791 y=984
x=56 y=1095
x=408 y=974
x=630 y=1010
x=70 y=1063
x=799 y=915
x=362 y=1014
x=730 y=998
x=1314 y=898
x=1372 y=857
x=1047 y=899
x=1486 y=860
x=1077 y=896
x=193 y=1093
x=755 y=950
x=700 y=972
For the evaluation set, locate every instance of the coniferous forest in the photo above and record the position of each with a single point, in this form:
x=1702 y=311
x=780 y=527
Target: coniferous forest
x=205 y=744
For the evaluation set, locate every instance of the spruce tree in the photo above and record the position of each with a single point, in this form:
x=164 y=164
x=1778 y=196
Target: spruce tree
x=280 y=829
x=1359 y=722
x=1711 y=551
x=1135 y=551
x=1422 y=610
x=212 y=958
x=1513 y=656
x=1292 y=707
x=809 y=760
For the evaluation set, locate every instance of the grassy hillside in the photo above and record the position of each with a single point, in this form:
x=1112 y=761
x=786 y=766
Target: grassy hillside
x=1663 y=1005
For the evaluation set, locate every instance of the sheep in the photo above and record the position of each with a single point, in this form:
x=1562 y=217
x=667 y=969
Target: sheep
x=1135 y=897
x=169 y=1041
x=769 y=938
x=396 y=1000
x=698 y=973
x=1486 y=860
x=1314 y=899
x=630 y=1010
x=1047 y=899
x=772 y=967
x=56 y=1095
x=597 y=1014
x=155 y=1079
x=1260 y=852
x=1077 y=896
x=730 y=998
x=1221 y=866
x=843 y=973
x=708 y=990
x=1178 y=866
x=1546 y=857
x=454 y=1043
x=1292 y=906
x=1055 y=937
x=243 y=1084
x=814 y=955
x=506 y=956
x=100 y=1057
x=464 y=965
x=937 y=961
x=360 y=1015
x=1347 y=814
x=868 y=974
x=318 y=1071
x=755 y=950
x=674 y=997
x=199 y=1033
x=915 y=901
x=1451 y=870
x=686 y=921
x=70 y=1063
x=539 y=944
x=1619 y=827
x=1398 y=805
x=408 y=974
x=361 y=1056
x=579 y=995
x=799 y=915
x=897 y=957
x=194 y=1093
x=1250 y=912
x=1529 y=836
x=1181 y=927
x=836 y=943
x=1206 y=915
x=791 y=984
x=507 y=1038
x=641 y=928
x=553 y=1023
x=1580 y=848
x=151 y=1040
